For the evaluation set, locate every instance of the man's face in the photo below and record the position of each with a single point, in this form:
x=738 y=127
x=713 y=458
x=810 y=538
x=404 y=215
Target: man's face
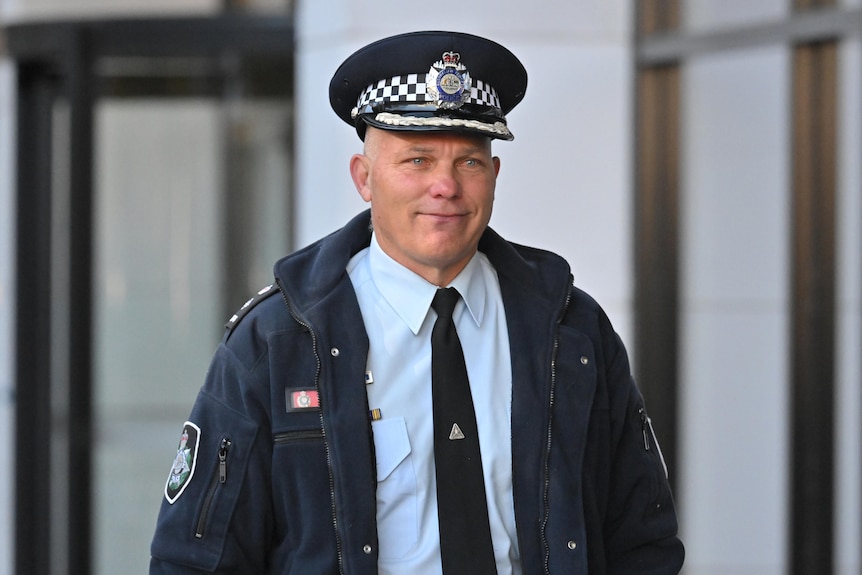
x=431 y=195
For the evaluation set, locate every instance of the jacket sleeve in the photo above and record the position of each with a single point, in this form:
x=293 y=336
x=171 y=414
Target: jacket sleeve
x=641 y=524
x=215 y=517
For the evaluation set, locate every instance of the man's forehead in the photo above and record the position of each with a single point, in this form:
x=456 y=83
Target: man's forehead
x=428 y=140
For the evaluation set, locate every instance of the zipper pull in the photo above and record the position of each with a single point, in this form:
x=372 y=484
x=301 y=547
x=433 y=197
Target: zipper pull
x=645 y=427
x=222 y=459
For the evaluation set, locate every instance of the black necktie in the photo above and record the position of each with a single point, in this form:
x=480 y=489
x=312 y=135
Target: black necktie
x=465 y=535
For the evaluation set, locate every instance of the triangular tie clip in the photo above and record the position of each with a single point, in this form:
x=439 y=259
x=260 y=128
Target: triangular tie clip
x=456 y=433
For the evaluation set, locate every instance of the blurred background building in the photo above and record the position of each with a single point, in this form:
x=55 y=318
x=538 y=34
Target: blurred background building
x=697 y=161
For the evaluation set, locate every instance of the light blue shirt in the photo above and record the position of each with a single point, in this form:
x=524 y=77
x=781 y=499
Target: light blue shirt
x=395 y=304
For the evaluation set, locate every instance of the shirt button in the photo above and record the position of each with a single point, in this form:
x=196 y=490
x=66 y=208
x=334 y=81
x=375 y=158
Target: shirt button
x=334 y=352
x=367 y=549
x=572 y=545
x=585 y=360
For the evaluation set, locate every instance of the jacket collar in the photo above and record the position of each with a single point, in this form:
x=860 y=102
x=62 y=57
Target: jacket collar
x=322 y=265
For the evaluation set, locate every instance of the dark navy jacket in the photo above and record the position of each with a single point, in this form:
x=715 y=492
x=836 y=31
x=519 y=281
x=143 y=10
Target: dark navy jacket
x=293 y=492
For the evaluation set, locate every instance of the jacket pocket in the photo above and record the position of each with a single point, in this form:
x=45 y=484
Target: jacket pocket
x=193 y=529
x=288 y=437
x=659 y=477
x=650 y=440
x=397 y=516
x=219 y=478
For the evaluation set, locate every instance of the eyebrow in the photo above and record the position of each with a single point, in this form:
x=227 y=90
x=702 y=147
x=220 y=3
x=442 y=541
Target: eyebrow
x=421 y=148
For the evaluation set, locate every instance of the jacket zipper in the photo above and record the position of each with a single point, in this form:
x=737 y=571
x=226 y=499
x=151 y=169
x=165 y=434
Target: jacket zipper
x=649 y=433
x=217 y=480
x=646 y=425
x=547 y=470
x=295 y=315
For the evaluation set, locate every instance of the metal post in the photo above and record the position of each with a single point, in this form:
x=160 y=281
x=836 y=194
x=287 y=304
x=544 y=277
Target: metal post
x=36 y=93
x=80 y=86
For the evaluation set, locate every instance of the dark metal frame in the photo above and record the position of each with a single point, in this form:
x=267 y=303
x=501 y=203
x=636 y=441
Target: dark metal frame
x=63 y=61
x=656 y=152
x=813 y=321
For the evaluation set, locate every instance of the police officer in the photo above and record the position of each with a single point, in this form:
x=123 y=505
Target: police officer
x=415 y=394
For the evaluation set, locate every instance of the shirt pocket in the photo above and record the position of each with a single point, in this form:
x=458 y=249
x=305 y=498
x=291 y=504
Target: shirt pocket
x=397 y=501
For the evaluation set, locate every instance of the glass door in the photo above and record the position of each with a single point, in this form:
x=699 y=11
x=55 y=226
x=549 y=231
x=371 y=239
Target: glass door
x=154 y=194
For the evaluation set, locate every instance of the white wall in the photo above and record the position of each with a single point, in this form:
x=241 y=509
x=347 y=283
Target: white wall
x=848 y=372
x=720 y=14
x=734 y=306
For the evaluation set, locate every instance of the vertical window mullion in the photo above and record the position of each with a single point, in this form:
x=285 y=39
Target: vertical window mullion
x=813 y=308
x=656 y=230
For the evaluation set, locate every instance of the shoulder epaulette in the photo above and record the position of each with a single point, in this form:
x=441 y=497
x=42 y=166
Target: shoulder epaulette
x=247 y=306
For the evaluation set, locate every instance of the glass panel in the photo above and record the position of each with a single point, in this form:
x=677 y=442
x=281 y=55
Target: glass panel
x=193 y=208
x=7 y=311
x=60 y=345
x=158 y=312
x=257 y=212
x=734 y=320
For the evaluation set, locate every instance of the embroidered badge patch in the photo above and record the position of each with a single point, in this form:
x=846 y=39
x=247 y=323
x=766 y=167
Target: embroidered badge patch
x=184 y=463
x=302 y=399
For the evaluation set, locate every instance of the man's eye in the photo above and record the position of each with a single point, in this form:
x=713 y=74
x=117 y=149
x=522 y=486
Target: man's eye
x=417 y=161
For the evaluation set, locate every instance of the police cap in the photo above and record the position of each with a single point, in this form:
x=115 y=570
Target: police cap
x=430 y=81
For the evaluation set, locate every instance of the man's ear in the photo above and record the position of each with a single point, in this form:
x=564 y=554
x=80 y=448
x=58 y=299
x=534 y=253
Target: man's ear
x=360 y=170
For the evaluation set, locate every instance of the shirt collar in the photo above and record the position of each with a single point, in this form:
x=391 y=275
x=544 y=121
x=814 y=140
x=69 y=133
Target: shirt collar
x=410 y=295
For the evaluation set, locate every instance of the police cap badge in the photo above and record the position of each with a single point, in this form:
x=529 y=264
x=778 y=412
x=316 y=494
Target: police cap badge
x=430 y=81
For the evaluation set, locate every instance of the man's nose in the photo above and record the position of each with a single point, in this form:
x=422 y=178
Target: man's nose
x=445 y=182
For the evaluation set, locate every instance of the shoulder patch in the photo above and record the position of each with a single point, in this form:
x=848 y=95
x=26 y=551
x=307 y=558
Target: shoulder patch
x=247 y=306
x=185 y=461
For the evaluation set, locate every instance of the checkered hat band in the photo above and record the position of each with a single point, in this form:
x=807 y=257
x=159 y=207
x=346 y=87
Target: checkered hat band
x=412 y=88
